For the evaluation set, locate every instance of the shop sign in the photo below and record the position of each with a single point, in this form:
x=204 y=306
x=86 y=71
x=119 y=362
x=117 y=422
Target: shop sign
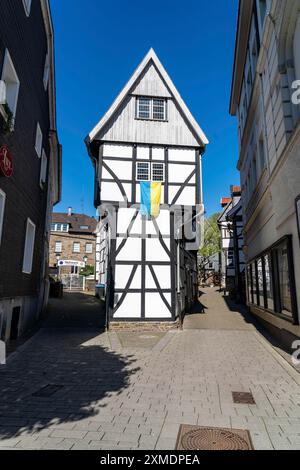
x=6 y=162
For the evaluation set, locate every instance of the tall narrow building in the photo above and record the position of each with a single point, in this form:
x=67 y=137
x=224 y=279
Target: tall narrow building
x=30 y=161
x=265 y=99
x=147 y=154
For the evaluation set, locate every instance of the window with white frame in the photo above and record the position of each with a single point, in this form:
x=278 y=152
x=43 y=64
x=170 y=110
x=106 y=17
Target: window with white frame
x=59 y=227
x=2 y=207
x=76 y=247
x=12 y=83
x=158 y=172
x=38 y=140
x=152 y=108
x=89 y=248
x=27 y=6
x=58 y=247
x=143 y=171
x=46 y=71
x=43 y=172
x=29 y=247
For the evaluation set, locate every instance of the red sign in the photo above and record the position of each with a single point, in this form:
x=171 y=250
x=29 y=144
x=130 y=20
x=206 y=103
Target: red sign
x=6 y=162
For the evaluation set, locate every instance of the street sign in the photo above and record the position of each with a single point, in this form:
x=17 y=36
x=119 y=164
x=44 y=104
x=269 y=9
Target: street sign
x=69 y=262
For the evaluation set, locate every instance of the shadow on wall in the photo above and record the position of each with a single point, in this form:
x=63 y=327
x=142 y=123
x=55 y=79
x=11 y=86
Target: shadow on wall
x=86 y=373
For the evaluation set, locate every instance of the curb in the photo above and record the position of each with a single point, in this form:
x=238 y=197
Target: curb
x=280 y=359
x=22 y=348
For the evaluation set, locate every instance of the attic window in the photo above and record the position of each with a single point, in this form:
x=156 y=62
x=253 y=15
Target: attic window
x=154 y=109
x=84 y=227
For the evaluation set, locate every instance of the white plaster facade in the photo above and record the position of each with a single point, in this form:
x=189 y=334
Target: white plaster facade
x=267 y=63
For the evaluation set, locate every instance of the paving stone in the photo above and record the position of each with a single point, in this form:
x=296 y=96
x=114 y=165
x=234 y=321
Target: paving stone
x=68 y=434
x=139 y=398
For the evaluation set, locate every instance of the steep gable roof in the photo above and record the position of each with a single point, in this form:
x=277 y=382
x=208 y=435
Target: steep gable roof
x=131 y=85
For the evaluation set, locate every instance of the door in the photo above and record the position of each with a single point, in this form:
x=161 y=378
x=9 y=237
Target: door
x=14 y=328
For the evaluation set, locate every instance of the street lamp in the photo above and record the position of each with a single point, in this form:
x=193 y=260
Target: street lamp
x=85 y=258
x=57 y=255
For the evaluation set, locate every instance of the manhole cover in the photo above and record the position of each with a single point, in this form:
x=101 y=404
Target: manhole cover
x=243 y=398
x=205 y=438
x=47 y=391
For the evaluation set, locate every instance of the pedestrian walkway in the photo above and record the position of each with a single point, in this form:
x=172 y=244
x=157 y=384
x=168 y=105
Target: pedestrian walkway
x=214 y=311
x=115 y=394
x=76 y=309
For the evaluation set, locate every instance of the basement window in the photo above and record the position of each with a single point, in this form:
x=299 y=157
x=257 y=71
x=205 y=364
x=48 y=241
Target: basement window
x=154 y=109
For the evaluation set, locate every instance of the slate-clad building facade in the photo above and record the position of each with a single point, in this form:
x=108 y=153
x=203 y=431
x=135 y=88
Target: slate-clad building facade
x=148 y=134
x=29 y=148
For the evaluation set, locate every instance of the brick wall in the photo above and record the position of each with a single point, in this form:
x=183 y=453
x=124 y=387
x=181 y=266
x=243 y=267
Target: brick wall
x=67 y=240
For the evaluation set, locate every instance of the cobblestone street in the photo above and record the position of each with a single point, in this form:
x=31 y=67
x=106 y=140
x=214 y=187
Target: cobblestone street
x=132 y=391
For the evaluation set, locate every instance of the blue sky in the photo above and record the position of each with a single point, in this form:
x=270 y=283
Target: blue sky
x=98 y=46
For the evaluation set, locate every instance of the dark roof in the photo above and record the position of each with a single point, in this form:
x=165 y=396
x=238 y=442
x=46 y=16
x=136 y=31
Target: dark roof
x=75 y=221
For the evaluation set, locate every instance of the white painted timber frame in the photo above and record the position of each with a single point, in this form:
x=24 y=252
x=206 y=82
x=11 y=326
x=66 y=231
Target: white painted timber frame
x=119 y=100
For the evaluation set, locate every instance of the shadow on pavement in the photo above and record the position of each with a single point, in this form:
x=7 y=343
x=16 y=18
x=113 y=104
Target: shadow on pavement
x=77 y=361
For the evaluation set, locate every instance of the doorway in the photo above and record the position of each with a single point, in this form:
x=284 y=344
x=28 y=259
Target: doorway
x=14 y=328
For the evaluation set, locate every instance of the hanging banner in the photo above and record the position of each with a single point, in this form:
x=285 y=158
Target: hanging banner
x=150 y=198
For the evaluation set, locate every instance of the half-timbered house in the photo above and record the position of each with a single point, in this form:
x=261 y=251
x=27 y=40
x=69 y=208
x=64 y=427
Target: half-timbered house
x=148 y=271
x=232 y=244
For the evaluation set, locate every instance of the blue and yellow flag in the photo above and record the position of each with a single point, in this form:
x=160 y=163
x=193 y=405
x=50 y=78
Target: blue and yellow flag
x=150 y=198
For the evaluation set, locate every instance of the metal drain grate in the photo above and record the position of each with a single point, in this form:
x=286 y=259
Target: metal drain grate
x=47 y=391
x=206 y=438
x=243 y=398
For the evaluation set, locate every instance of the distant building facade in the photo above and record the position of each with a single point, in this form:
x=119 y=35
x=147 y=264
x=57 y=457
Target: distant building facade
x=267 y=65
x=209 y=269
x=72 y=238
x=30 y=161
x=232 y=256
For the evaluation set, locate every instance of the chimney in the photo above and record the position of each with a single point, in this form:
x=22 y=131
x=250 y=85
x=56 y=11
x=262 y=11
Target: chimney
x=225 y=201
x=69 y=210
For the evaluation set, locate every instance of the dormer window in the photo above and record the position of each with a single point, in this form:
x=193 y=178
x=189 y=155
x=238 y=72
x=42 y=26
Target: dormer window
x=154 y=109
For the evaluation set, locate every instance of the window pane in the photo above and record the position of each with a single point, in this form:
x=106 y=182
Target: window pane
x=159 y=109
x=76 y=247
x=89 y=248
x=269 y=282
x=29 y=247
x=58 y=247
x=157 y=172
x=249 y=285
x=142 y=171
x=254 y=283
x=144 y=108
x=284 y=282
x=260 y=283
